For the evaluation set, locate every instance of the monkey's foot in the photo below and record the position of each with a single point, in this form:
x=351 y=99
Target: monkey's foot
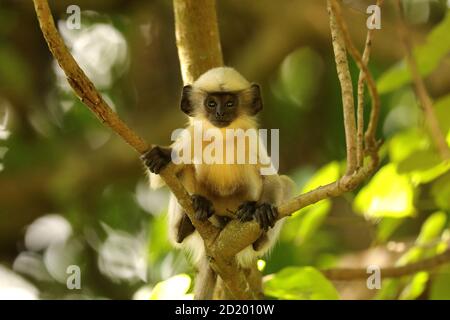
x=202 y=206
x=157 y=158
x=266 y=215
x=246 y=211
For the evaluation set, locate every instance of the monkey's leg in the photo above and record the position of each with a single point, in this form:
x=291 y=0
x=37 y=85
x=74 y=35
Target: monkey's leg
x=202 y=206
x=205 y=281
x=185 y=228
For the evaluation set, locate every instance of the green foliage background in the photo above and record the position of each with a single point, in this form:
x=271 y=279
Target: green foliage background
x=72 y=193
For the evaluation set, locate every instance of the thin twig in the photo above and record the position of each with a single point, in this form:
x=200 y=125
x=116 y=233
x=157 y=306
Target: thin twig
x=371 y=141
x=421 y=91
x=346 y=274
x=360 y=107
x=91 y=97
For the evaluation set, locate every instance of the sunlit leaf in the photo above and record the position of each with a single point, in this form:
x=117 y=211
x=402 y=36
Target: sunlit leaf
x=389 y=290
x=428 y=57
x=432 y=227
x=388 y=194
x=415 y=287
x=405 y=143
x=300 y=283
x=323 y=176
x=423 y=166
x=261 y=264
x=174 y=288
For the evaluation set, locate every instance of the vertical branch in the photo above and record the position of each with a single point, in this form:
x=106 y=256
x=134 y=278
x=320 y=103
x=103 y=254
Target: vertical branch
x=199 y=50
x=421 y=91
x=340 y=53
x=361 y=87
x=198 y=39
x=371 y=142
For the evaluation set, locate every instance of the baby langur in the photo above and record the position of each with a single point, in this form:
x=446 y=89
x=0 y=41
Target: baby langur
x=221 y=99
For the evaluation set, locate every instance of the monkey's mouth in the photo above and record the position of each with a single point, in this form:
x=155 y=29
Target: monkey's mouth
x=220 y=123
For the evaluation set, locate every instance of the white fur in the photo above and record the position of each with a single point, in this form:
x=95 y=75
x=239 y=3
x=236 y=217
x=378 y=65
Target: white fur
x=221 y=79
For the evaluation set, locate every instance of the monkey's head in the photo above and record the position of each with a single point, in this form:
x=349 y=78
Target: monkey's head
x=221 y=95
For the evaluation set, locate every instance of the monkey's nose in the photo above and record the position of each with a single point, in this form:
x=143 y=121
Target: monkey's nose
x=220 y=114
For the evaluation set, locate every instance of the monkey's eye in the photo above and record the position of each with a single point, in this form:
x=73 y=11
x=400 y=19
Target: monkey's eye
x=212 y=104
x=230 y=104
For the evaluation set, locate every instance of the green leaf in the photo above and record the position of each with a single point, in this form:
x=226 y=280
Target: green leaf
x=300 y=283
x=428 y=57
x=310 y=219
x=387 y=227
x=389 y=290
x=299 y=77
x=388 y=194
x=415 y=287
x=325 y=175
x=405 y=143
x=432 y=228
x=174 y=288
x=423 y=166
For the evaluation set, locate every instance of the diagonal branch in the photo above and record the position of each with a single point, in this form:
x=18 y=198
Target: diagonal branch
x=91 y=97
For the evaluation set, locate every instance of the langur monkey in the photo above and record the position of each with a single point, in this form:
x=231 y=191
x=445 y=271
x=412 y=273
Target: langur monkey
x=221 y=99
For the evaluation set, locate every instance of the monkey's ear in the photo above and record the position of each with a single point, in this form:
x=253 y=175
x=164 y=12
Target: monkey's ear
x=186 y=105
x=256 y=104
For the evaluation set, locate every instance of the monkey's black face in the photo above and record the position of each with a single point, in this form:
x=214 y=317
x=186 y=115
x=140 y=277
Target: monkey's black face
x=221 y=108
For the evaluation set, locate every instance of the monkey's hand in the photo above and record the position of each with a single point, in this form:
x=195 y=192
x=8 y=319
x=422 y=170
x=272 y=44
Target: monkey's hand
x=265 y=214
x=157 y=158
x=202 y=206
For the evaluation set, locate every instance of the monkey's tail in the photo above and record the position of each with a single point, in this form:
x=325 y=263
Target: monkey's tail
x=205 y=282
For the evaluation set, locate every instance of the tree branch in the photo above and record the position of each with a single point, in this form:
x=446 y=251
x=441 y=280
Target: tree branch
x=371 y=142
x=348 y=103
x=236 y=235
x=198 y=39
x=347 y=274
x=421 y=91
x=91 y=97
x=360 y=106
